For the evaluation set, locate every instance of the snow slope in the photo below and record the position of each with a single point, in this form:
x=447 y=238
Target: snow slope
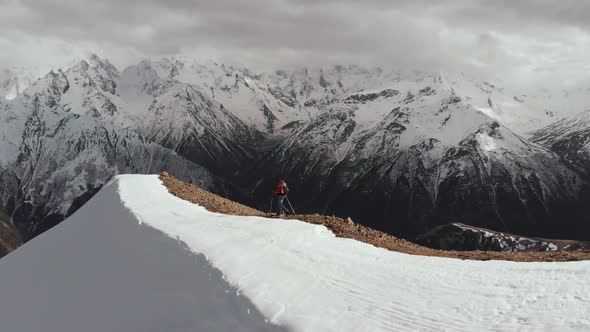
x=301 y=275
x=297 y=274
x=569 y=138
x=102 y=271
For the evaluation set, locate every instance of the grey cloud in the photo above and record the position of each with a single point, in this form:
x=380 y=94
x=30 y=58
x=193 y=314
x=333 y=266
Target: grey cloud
x=493 y=36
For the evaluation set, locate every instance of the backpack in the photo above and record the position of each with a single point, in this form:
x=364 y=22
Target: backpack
x=282 y=188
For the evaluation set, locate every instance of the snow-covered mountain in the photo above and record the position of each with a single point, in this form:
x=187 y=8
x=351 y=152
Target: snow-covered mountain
x=570 y=139
x=179 y=116
x=416 y=154
x=136 y=258
x=61 y=141
x=399 y=150
x=520 y=112
x=247 y=97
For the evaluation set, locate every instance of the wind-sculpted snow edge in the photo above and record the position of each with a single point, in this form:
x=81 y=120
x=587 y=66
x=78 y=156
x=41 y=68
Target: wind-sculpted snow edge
x=302 y=276
x=348 y=229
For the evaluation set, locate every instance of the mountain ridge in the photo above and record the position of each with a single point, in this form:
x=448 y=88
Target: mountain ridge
x=346 y=228
x=405 y=145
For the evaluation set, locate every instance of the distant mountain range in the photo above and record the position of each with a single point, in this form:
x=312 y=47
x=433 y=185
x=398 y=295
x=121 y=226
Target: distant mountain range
x=402 y=151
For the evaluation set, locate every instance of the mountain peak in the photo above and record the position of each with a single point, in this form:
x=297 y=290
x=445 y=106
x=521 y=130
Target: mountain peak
x=96 y=61
x=96 y=64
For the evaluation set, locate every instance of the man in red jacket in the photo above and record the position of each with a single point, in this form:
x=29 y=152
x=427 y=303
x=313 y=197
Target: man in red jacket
x=281 y=191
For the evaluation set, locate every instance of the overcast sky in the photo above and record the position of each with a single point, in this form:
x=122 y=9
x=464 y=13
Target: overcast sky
x=538 y=41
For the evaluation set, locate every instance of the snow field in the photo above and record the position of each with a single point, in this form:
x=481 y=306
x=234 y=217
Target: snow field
x=301 y=276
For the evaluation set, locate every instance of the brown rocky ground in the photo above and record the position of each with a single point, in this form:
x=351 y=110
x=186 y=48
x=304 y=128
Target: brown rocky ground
x=9 y=239
x=347 y=229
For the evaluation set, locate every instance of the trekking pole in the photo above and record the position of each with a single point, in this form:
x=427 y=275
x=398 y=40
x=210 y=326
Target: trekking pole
x=291 y=206
x=270 y=207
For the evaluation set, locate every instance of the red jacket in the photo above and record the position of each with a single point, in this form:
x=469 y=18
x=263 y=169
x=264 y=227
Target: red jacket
x=282 y=188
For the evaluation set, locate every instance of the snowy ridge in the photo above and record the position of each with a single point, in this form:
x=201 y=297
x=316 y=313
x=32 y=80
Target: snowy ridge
x=517 y=243
x=520 y=112
x=251 y=100
x=568 y=137
x=101 y=270
x=298 y=275
x=458 y=236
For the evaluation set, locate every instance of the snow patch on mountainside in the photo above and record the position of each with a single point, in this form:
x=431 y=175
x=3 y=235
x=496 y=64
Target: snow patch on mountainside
x=569 y=138
x=12 y=93
x=486 y=142
x=520 y=112
x=13 y=81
